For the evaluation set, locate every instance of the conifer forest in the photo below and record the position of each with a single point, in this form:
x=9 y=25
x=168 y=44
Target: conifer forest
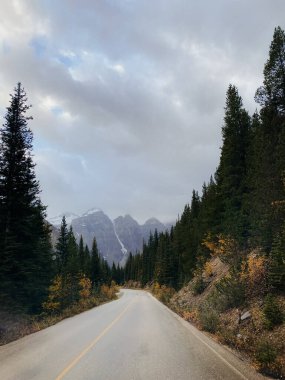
x=242 y=203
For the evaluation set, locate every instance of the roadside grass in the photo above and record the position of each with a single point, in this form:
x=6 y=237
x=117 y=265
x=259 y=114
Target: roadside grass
x=15 y=325
x=241 y=317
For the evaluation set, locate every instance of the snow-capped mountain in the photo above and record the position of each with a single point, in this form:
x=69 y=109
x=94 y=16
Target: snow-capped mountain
x=115 y=239
x=92 y=211
x=56 y=220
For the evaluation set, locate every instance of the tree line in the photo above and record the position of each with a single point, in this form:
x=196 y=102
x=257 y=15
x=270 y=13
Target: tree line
x=244 y=200
x=25 y=249
x=33 y=274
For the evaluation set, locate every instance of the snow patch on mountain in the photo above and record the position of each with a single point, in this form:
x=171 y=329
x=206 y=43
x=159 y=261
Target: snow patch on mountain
x=56 y=220
x=123 y=248
x=92 y=211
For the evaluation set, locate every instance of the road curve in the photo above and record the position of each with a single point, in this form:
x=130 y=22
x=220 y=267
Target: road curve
x=132 y=338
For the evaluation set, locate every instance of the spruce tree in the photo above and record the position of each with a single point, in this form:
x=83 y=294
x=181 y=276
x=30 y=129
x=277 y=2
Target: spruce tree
x=87 y=261
x=25 y=252
x=71 y=270
x=72 y=265
x=272 y=93
x=269 y=142
x=277 y=261
x=232 y=171
x=95 y=269
x=129 y=268
x=62 y=247
x=81 y=253
x=208 y=215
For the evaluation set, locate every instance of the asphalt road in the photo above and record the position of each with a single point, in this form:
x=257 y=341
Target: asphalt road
x=134 y=337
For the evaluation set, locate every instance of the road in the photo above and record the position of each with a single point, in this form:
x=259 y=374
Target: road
x=132 y=338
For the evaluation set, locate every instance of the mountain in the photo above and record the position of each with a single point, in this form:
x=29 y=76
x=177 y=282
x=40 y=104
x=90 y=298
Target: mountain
x=56 y=220
x=129 y=232
x=151 y=225
x=115 y=239
x=95 y=223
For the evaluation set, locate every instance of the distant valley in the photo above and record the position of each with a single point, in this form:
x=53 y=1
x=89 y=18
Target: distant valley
x=115 y=238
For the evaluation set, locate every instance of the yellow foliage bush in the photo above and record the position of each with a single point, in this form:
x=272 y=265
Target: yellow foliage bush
x=114 y=286
x=190 y=315
x=208 y=269
x=254 y=272
x=108 y=292
x=155 y=288
x=223 y=247
x=55 y=294
x=85 y=288
x=163 y=292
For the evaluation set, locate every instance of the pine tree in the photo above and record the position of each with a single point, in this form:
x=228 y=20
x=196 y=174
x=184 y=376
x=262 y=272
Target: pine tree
x=25 y=251
x=181 y=245
x=87 y=261
x=272 y=93
x=269 y=145
x=129 y=268
x=277 y=261
x=232 y=171
x=72 y=265
x=62 y=247
x=105 y=272
x=71 y=270
x=208 y=215
x=82 y=259
x=95 y=269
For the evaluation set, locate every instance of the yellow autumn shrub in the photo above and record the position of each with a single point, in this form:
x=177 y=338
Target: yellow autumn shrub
x=223 y=247
x=208 y=269
x=85 y=288
x=254 y=272
x=55 y=294
x=108 y=292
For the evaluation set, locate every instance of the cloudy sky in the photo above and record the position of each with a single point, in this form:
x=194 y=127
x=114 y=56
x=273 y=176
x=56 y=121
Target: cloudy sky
x=128 y=95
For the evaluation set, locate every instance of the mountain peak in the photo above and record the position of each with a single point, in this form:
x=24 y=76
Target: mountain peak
x=69 y=217
x=152 y=221
x=93 y=210
x=114 y=239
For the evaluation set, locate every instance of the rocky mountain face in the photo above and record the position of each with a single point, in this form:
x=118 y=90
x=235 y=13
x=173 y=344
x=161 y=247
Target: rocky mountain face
x=129 y=232
x=98 y=224
x=151 y=225
x=115 y=239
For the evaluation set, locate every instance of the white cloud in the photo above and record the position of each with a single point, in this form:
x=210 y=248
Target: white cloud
x=118 y=68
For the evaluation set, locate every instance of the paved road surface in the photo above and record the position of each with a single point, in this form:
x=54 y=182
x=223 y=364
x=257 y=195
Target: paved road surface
x=135 y=337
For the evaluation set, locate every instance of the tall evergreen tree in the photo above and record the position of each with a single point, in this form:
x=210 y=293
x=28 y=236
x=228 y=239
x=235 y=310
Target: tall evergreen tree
x=272 y=93
x=72 y=265
x=208 y=216
x=232 y=171
x=62 y=247
x=277 y=261
x=95 y=269
x=25 y=252
x=71 y=270
x=269 y=145
x=87 y=261
x=82 y=258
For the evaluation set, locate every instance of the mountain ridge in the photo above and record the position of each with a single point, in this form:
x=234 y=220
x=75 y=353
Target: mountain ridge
x=115 y=238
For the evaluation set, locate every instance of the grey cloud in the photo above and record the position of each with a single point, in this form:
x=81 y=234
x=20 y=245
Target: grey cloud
x=128 y=96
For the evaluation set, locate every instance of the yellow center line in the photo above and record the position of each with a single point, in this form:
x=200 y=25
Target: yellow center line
x=92 y=344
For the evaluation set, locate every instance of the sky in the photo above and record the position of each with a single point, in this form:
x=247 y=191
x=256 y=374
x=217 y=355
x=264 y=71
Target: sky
x=128 y=95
